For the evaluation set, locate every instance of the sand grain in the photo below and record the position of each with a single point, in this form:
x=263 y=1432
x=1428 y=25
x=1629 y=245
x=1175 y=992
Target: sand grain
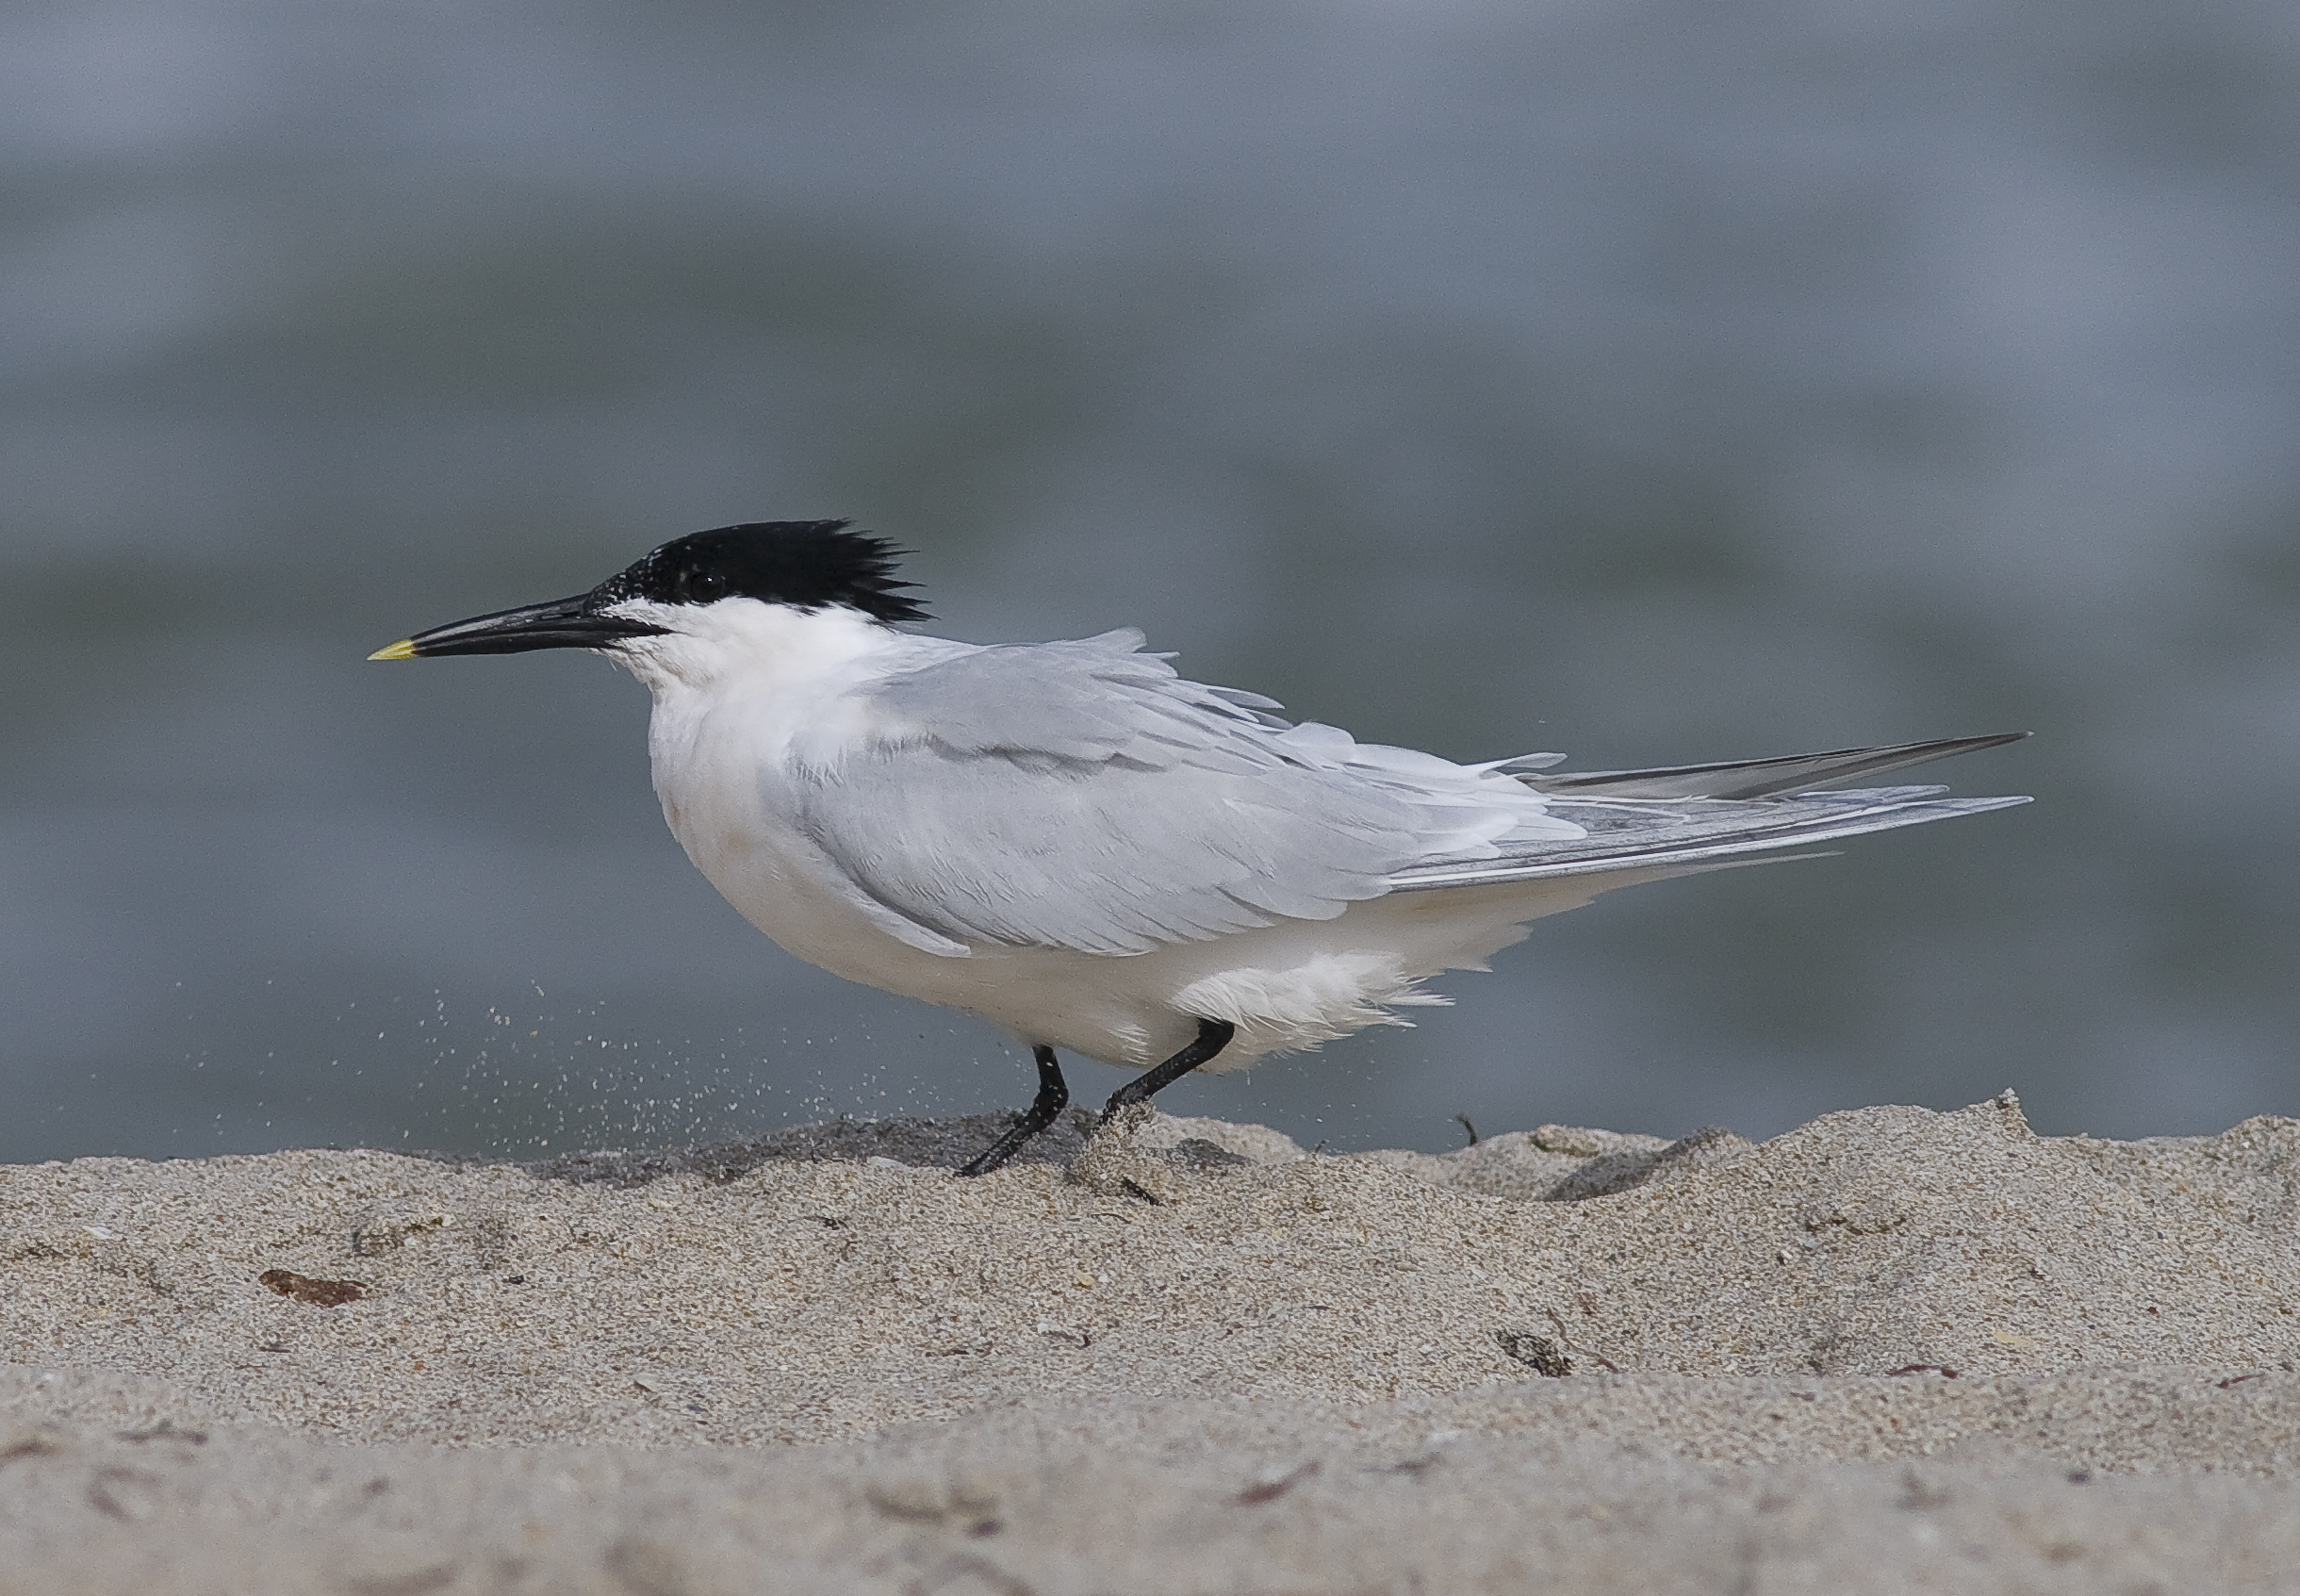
x=1202 y=1359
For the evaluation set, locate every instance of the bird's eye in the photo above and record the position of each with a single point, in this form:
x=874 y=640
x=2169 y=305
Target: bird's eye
x=706 y=585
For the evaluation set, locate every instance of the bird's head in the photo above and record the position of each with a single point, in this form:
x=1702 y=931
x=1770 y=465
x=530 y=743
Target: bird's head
x=802 y=565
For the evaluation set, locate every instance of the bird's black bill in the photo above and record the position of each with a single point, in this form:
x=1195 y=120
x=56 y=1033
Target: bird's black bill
x=563 y=623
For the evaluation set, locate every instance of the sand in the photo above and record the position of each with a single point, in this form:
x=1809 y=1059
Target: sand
x=1892 y=1350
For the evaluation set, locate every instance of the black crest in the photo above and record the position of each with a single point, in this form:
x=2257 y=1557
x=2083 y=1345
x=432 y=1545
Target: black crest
x=807 y=565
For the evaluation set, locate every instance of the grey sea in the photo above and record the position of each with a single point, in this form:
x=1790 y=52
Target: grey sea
x=1655 y=382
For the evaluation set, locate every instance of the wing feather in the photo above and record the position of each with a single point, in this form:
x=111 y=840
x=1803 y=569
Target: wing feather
x=1636 y=834
x=1082 y=795
x=1756 y=778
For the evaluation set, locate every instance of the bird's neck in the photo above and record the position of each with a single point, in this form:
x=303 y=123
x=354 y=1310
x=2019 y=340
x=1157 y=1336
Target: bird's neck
x=748 y=693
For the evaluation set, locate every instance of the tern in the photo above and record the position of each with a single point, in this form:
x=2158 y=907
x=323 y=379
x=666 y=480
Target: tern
x=1081 y=846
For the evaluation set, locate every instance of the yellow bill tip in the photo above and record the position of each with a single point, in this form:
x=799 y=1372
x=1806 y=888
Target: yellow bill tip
x=403 y=650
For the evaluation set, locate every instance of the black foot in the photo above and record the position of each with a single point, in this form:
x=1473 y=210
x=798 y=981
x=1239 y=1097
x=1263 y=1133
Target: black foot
x=1213 y=1036
x=1053 y=1096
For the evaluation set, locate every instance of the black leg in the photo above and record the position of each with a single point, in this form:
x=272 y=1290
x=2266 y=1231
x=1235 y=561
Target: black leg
x=1053 y=1096
x=1213 y=1036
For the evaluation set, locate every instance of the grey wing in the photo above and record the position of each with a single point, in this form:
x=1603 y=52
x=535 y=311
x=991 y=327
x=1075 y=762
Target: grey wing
x=1080 y=795
x=1689 y=815
x=1758 y=778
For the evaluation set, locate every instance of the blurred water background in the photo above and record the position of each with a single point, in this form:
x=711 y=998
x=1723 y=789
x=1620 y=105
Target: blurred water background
x=1655 y=382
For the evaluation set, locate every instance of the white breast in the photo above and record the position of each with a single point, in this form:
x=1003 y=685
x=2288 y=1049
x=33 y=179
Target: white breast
x=745 y=696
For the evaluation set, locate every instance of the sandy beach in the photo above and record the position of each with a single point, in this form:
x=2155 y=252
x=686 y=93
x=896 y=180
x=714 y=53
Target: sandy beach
x=1890 y=1350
